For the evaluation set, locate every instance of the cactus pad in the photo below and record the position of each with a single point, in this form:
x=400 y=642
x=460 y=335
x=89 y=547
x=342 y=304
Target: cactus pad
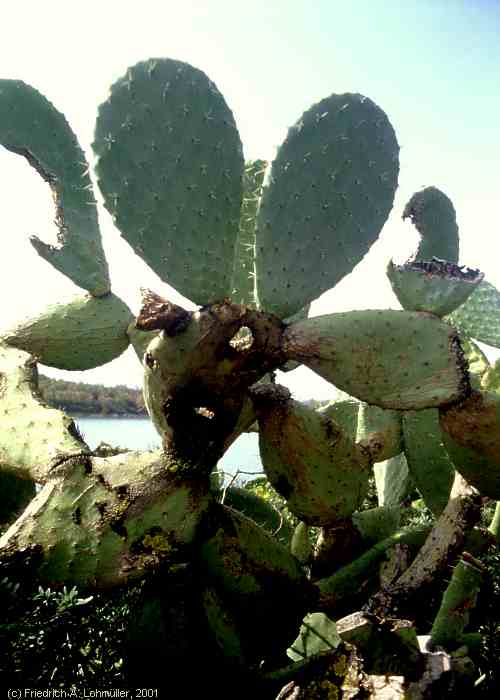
x=170 y=166
x=393 y=359
x=309 y=458
x=433 y=215
x=330 y=190
x=104 y=521
x=429 y=463
x=471 y=436
x=31 y=126
x=35 y=438
x=436 y=286
x=479 y=316
x=345 y=412
x=82 y=334
x=393 y=481
x=255 y=579
x=379 y=432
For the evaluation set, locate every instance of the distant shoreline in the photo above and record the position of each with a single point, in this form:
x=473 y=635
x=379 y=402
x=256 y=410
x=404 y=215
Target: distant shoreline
x=92 y=400
x=135 y=416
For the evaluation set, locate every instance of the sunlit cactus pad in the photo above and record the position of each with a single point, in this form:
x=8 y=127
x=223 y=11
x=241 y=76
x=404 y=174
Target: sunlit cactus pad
x=330 y=190
x=103 y=521
x=393 y=359
x=32 y=127
x=309 y=459
x=471 y=435
x=83 y=333
x=170 y=168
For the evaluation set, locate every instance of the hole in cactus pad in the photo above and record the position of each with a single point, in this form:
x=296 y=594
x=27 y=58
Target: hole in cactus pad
x=242 y=340
x=205 y=412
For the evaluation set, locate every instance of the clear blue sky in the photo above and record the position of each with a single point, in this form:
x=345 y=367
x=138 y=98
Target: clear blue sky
x=432 y=65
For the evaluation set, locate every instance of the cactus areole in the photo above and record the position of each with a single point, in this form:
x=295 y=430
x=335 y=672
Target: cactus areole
x=252 y=247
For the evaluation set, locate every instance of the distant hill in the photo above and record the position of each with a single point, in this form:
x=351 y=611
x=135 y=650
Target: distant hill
x=81 y=398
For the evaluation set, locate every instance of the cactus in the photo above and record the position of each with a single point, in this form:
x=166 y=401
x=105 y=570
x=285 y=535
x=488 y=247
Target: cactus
x=393 y=481
x=243 y=280
x=85 y=333
x=429 y=464
x=422 y=404
x=32 y=127
x=479 y=316
x=458 y=601
x=433 y=215
x=393 y=359
x=166 y=128
x=317 y=468
x=436 y=286
x=313 y=230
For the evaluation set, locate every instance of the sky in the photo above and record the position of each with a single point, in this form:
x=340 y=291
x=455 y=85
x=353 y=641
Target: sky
x=432 y=65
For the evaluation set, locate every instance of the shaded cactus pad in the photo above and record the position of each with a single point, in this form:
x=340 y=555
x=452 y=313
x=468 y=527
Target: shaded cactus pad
x=309 y=459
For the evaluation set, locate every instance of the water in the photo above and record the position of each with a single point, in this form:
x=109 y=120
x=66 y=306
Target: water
x=139 y=434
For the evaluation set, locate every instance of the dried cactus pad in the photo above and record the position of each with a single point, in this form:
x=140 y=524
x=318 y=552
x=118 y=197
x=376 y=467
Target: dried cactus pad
x=82 y=334
x=170 y=168
x=393 y=359
x=31 y=126
x=330 y=190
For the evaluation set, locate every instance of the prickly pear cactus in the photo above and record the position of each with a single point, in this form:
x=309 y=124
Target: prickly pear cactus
x=252 y=251
x=433 y=215
x=32 y=127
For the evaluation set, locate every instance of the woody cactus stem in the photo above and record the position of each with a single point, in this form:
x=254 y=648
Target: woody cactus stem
x=197 y=371
x=444 y=542
x=105 y=521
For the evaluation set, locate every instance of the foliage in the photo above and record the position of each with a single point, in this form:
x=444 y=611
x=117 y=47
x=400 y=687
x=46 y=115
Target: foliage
x=59 y=638
x=96 y=399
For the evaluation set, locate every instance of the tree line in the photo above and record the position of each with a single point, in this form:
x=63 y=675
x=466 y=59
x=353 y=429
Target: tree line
x=95 y=399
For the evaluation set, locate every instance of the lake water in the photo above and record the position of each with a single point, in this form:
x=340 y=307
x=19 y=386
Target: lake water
x=139 y=434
